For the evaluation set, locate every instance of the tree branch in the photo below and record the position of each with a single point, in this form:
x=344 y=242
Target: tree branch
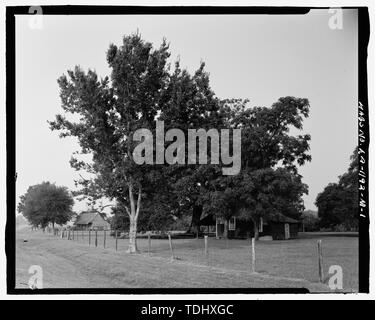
x=127 y=211
x=138 y=202
x=131 y=198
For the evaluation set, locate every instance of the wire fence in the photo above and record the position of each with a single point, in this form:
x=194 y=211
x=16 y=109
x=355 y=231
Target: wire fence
x=203 y=251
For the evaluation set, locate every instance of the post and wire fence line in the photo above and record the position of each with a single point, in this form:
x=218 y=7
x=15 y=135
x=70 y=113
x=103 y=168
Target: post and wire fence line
x=111 y=239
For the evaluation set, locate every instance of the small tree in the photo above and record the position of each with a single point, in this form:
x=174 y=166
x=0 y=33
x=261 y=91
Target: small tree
x=310 y=220
x=338 y=202
x=46 y=203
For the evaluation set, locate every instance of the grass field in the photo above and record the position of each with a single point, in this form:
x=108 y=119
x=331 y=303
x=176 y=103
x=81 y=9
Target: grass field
x=75 y=264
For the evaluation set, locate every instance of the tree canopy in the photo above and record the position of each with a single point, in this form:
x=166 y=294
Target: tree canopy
x=46 y=203
x=142 y=89
x=338 y=202
x=269 y=182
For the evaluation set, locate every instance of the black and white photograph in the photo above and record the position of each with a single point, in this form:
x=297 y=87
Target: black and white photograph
x=187 y=150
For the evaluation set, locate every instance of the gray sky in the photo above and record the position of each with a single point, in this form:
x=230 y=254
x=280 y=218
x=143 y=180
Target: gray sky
x=257 y=57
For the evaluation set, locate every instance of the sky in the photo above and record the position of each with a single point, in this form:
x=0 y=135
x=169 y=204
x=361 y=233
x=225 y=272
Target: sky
x=260 y=57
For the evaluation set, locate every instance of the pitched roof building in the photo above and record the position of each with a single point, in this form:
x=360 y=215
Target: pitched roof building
x=279 y=227
x=91 y=220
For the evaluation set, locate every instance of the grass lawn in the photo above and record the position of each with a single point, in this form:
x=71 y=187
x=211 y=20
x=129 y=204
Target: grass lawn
x=75 y=264
x=295 y=258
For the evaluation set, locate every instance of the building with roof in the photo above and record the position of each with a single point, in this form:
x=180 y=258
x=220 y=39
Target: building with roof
x=279 y=227
x=91 y=220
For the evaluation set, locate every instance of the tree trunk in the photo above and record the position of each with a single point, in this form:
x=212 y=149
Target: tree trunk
x=197 y=213
x=133 y=236
x=133 y=217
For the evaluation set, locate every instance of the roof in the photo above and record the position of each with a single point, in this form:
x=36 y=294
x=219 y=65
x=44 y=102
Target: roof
x=281 y=218
x=209 y=219
x=87 y=217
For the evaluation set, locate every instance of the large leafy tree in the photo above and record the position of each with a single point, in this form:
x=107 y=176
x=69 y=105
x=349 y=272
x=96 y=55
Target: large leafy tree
x=270 y=158
x=109 y=111
x=192 y=105
x=338 y=202
x=267 y=192
x=46 y=203
x=188 y=103
x=266 y=138
x=255 y=194
x=270 y=155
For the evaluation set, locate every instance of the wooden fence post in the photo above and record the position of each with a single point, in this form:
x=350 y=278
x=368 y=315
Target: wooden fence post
x=104 y=235
x=69 y=234
x=206 y=248
x=253 y=255
x=96 y=238
x=320 y=261
x=149 y=243
x=116 y=238
x=170 y=246
x=73 y=234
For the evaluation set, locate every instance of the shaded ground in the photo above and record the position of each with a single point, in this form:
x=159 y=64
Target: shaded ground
x=75 y=264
